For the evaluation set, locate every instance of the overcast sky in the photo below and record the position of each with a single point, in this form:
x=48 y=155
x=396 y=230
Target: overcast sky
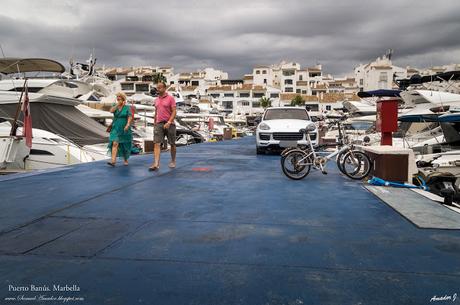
x=233 y=35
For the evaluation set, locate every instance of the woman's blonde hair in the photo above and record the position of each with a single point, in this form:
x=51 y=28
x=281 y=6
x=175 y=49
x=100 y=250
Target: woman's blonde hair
x=122 y=95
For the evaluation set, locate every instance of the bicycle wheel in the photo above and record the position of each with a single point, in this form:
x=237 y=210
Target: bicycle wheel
x=289 y=149
x=286 y=150
x=340 y=158
x=356 y=164
x=296 y=165
x=284 y=153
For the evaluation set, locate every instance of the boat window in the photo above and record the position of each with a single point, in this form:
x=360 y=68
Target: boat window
x=40 y=152
x=421 y=127
x=127 y=86
x=92 y=97
x=71 y=85
x=29 y=89
x=280 y=114
x=412 y=128
x=58 y=140
x=142 y=88
x=421 y=101
x=418 y=99
x=359 y=125
x=451 y=131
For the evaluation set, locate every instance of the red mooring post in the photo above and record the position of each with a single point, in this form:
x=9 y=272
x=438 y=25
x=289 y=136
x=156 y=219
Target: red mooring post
x=387 y=120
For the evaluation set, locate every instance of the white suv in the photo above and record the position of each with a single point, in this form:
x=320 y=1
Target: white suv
x=280 y=128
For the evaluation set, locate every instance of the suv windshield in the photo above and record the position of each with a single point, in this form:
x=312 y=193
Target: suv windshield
x=281 y=114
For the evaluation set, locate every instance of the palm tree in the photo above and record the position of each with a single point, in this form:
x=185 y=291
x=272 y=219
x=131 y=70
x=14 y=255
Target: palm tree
x=265 y=102
x=297 y=101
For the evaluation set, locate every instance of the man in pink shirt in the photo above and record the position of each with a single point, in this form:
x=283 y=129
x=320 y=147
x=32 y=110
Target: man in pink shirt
x=165 y=113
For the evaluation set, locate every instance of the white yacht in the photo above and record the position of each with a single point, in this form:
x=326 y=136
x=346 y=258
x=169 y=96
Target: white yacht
x=62 y=134
x=427 y=103
x=84 y=87
x=48 y=150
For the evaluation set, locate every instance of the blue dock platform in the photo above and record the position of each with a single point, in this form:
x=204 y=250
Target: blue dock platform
x=224 y=227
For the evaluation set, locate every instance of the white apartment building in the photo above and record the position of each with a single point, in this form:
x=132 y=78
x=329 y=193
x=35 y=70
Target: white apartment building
x=213 y=75
x=263 y=76
x=243 y=99
x=200 y=80
x=378 y=74
x=137 y=80
x=289 y=75
x=290 y=78
x=273 y=75
x=346 y=85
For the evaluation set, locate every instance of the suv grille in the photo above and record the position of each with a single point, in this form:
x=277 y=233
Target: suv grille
x=290 y=136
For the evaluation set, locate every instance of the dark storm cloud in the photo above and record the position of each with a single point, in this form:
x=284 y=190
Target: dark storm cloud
x=233 y=35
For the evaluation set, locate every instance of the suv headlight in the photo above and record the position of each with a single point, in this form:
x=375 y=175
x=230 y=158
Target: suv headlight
x=264 y=126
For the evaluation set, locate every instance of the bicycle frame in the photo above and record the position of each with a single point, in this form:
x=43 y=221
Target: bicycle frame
x=318 y=162
x=326 y=158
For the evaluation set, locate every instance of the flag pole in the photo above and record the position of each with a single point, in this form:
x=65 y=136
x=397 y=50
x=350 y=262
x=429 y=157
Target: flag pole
x=27 y=122
x=14 y=125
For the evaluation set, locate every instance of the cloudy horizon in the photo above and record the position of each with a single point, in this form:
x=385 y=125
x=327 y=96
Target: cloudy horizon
x=233 y=36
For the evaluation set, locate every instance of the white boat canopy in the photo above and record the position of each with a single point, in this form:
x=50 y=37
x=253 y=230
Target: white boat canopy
x=23 y=65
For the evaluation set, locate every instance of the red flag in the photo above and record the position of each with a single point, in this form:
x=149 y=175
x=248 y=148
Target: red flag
x=27 y=128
